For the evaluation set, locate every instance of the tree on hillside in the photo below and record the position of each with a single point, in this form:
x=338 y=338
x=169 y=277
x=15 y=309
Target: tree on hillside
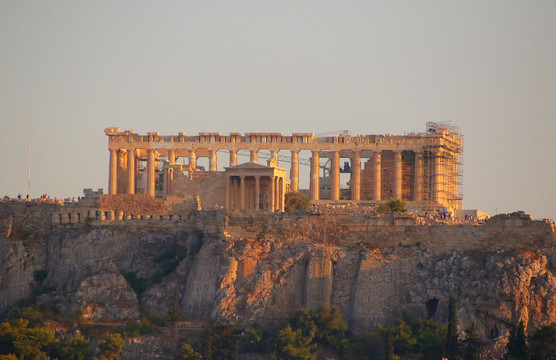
x=323 y=326
x=452 y=336
x=542 y=343
x=402 y=338
x=16 y=337
x=111 y=348
x=389 y=346
x=414 y=339
x=76 y=348
x=517 y=344
x=431 y=338
x=471 y=344
x=294 y=345
x=329 y=324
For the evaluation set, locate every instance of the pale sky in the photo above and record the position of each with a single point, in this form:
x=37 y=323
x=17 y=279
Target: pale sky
x=73 y=68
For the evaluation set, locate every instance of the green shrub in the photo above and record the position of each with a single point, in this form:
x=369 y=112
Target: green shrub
x=111 y=347
x=295 y=200
x=139 y=329
x=76 y=348
x=186 y=352
x=392 y=206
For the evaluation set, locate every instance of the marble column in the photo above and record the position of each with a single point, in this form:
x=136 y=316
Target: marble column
x=168 y=180
x=212 y=160
x=257 y=191
x=356 y=176
x=113 y=172
x=232 y=193
x=130 y=172
x=294 y=170
x=272 y=193
x=254 y=158
x=192 y=160
x=233 y=157
x=437 y=180
x=242 y=200
x=397 y=193
x=227 y=203
x=150 y=173
x=418 y=177
x=172 y=156
x=122 y=175
x=377 y=169
x=276 y=193
x=281 y=196
x=273 y=158
x=314 y=184
x=335 y=176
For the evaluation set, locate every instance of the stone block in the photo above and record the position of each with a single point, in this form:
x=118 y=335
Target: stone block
x=65 y=218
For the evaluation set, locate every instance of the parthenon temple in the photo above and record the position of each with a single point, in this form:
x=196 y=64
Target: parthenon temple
x=419 y=168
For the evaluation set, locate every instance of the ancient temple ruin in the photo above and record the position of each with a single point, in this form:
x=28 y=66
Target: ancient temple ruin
x=419 y=168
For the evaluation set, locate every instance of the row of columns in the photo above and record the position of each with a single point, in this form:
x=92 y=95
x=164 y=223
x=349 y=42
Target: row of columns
x=128 y=168
x=124 y=161
x=116 y=157
x=277 y=189
x=376 y=164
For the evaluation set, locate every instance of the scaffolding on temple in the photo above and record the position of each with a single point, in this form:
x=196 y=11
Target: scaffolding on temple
x=443 y=166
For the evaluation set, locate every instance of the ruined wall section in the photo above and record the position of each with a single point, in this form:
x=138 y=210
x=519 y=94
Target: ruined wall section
x=208 y=186
x=367 y=180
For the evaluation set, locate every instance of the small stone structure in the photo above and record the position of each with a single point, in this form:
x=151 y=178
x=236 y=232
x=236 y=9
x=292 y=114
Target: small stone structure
x=256 y=187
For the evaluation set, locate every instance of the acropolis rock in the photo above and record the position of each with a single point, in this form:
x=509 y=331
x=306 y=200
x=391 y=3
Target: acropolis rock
x=253 y=267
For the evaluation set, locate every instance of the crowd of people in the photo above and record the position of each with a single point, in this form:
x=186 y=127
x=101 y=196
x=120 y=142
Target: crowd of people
x=42 y=198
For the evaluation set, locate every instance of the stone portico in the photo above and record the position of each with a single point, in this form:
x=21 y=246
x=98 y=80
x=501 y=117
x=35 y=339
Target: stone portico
x=252 y=186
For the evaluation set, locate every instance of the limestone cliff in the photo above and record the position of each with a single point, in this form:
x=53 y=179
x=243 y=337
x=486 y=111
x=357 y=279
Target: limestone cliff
x=245 y=268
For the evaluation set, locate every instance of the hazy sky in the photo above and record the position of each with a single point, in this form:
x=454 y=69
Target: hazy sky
x=75 y=67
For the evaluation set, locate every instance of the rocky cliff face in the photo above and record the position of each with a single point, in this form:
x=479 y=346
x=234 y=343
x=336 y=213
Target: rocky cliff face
x=240 y=268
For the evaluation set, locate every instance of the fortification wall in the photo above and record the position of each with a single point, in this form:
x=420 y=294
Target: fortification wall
x=503 y=232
